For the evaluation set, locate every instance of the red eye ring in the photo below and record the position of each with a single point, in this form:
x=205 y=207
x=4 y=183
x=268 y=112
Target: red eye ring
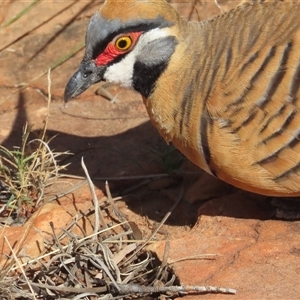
x=121 y=44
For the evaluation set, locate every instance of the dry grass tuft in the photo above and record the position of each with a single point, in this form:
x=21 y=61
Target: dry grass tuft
x=27 y=170
x=108 y=264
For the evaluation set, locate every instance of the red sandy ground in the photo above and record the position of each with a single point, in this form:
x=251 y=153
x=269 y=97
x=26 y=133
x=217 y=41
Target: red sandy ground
x=255 y=255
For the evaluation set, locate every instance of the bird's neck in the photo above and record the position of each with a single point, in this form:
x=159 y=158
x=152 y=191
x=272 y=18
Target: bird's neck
x=176 y=100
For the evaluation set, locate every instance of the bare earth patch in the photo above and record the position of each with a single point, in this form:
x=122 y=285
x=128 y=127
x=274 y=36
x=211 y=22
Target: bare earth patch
x=218 y=235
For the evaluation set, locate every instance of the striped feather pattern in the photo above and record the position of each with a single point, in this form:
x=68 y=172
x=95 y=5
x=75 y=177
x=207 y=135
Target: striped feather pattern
x=231 y=101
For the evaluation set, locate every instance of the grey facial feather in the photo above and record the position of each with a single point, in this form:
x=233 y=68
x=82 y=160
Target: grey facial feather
x=157 y=50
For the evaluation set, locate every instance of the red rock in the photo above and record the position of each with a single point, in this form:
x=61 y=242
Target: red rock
x=28 y=239
x=260 y=259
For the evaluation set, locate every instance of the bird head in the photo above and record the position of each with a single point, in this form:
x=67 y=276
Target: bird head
x=128 y=42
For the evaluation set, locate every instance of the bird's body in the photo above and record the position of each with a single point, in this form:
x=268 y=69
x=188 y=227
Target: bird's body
x=225 y=92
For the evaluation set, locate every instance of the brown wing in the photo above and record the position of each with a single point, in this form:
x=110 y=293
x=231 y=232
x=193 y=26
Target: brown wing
x=254 y=128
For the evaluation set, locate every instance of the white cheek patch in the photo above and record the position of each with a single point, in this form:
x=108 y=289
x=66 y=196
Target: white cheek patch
x=122 y=71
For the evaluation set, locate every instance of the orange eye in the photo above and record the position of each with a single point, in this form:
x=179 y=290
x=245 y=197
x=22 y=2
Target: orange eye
x=123 y=43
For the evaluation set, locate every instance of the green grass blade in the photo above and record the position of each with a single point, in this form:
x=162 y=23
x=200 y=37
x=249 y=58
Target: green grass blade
x=20 y=14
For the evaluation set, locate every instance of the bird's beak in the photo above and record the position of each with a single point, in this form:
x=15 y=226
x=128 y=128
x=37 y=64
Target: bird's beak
x=86 y=75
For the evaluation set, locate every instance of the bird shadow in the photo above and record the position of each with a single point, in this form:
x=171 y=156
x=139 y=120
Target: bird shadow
x=128 y=153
